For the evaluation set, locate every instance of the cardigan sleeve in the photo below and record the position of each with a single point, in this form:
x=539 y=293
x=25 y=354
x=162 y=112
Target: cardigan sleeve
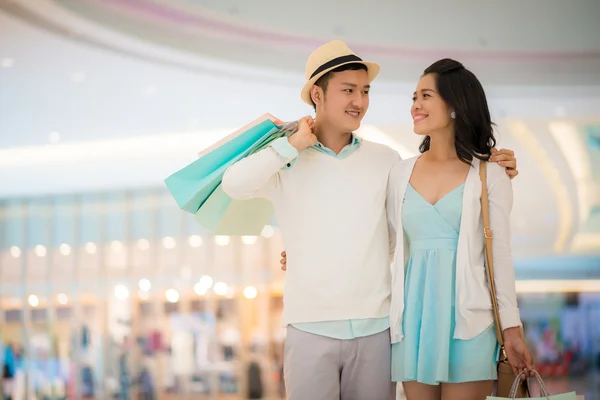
x=500 y=195
x=391 y=209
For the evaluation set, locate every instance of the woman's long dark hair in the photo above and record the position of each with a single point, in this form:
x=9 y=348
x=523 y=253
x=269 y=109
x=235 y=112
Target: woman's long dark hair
x=473 y=126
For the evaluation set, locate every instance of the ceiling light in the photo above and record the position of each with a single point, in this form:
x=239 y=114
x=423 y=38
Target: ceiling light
x=172 y=296
x=200 y=289
x=143 y=244
x=15 y=252
x=145 y=285
x=77 y=77
x=40 y=250
x=62 y=299
x=249 y=239
x=222 y=240
x=90 y=248
x=169 y=242
x=7 y=62
x=206 y=281
x=54 y=137
x=116 y=246
x=250 y=292
x=195 y=241
x=33 y=300
x=220 y=288
x=150 y=90
x=64 y=249
x=121 y=292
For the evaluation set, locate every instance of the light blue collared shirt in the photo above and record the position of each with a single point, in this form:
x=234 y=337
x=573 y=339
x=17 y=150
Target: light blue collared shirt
x=344 y=329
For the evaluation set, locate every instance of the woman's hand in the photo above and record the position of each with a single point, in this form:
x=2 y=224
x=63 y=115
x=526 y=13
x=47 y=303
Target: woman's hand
x=518 y=353
x=283 y=261
x=505 y=158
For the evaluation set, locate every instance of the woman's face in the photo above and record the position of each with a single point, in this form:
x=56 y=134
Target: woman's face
x=429 y=111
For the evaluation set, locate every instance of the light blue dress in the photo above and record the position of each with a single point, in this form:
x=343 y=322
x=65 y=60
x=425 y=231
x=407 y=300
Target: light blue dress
x=429 y=353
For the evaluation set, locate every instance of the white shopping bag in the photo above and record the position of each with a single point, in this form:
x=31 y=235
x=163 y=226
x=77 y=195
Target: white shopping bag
x=543 y=392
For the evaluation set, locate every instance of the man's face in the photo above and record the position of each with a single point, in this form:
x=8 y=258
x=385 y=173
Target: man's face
x=346 y=100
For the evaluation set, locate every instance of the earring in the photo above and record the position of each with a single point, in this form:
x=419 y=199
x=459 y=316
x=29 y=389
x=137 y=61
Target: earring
x=453 y=115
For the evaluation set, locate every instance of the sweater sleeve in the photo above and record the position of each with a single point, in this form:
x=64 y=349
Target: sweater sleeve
x=258 y=174
x=500 y=195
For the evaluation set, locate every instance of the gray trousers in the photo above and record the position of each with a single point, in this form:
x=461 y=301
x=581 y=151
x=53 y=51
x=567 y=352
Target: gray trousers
x=321 y=368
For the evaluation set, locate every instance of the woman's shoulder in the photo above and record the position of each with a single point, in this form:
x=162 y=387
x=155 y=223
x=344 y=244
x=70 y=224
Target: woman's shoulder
x=400 y=174
x=402 y=165
x=495 y=173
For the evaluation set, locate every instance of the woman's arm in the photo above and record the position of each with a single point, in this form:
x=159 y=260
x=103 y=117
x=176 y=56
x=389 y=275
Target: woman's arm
x=500 y=202
x=500 y=195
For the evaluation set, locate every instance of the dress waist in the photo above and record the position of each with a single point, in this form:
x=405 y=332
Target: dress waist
x=433 y=244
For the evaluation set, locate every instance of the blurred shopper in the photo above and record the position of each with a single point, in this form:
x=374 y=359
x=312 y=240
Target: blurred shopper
x=329 y=187
x=8 y=371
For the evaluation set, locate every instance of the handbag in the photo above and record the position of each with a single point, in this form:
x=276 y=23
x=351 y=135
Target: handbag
x=506 y=376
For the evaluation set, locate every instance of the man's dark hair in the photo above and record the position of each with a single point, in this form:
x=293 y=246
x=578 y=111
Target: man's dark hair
x=323 y=81
x=473 y=126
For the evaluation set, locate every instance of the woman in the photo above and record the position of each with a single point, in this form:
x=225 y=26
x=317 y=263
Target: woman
x=443 y=336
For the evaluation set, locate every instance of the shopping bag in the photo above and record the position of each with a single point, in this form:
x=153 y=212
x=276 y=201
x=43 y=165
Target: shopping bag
x=240 y=132
x=544 y=394
x=193 y=184
x=221 y=215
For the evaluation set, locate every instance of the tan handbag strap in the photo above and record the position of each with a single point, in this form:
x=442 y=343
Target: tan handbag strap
x=488 y=235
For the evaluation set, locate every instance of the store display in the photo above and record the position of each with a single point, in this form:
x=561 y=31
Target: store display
x=255 y=382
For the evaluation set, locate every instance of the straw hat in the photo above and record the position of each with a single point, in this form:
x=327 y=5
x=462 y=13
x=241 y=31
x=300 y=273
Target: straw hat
x=328 y=57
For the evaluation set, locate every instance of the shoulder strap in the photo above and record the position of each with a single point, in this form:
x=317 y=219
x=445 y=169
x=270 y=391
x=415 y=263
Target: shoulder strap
x=487 y=240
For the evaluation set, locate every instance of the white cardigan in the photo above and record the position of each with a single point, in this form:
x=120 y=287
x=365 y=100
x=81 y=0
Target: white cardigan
x=473 y=303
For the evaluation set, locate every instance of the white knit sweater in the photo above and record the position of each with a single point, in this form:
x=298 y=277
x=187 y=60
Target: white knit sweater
x=333 y=222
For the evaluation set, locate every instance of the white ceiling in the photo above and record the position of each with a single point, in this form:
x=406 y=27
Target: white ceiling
x=98 y=82
x=104 y=73
x=540 y=27
x=536 y=42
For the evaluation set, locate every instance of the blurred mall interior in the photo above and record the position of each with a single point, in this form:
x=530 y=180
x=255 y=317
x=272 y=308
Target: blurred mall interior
x=109 y=291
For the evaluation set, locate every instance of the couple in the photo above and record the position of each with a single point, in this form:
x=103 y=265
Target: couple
x=348 y=208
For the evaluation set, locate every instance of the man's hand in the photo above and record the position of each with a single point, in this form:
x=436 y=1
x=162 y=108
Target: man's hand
x=283 y=261
x=505 y=158
x=305 y=135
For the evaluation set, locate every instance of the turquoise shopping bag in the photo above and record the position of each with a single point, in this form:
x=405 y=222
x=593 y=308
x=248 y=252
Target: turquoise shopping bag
x=193 y=184
x=544 y=394
x=221 y=215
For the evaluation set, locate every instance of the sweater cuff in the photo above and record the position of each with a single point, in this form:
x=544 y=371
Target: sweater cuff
x=510 y=318
x=283 y=147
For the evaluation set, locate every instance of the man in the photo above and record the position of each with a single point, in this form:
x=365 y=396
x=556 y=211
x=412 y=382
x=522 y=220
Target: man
x=328 y=187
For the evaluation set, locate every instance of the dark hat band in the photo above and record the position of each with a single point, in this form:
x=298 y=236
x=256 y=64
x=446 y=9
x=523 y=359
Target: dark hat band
x=335 y=62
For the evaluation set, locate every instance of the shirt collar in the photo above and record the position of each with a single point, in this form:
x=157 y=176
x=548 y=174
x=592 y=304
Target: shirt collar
x=355 y=143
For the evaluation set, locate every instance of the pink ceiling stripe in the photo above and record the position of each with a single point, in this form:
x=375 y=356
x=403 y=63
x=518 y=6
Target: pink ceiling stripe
x=173 y=16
